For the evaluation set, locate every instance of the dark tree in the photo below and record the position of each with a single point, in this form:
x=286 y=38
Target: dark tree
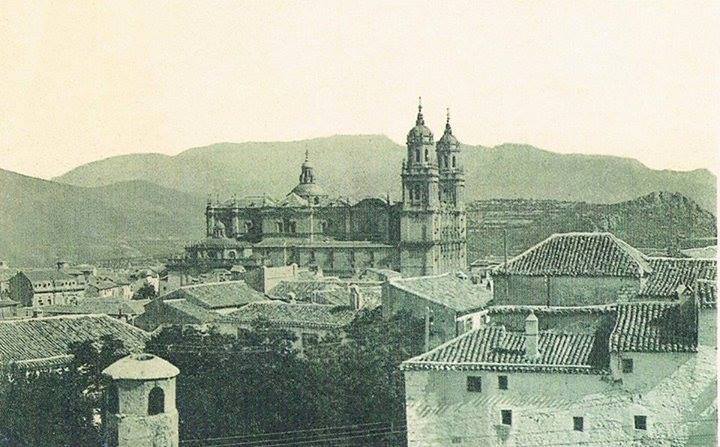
x=146 y=292
x=59 y=407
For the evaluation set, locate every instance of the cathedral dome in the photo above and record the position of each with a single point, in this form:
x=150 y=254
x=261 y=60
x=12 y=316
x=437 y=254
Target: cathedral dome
x=420 y=133
x=448 y=139
x=308 y=189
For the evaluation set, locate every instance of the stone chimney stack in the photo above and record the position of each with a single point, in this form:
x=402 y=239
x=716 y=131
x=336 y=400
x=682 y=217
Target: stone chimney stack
x=531 y=336
x=356 y=299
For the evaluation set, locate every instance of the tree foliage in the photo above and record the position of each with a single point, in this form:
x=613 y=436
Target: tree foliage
x=246 y=384
x=58 y=407
x=146 y=292
x=256 y=383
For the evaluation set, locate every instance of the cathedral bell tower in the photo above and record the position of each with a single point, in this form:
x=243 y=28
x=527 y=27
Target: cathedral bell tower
x=452 y=176
x=420 y=182
x=452 y=220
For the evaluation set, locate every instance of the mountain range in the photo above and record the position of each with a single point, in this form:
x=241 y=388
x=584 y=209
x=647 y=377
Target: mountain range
x=369 y=165
x=151 y=205
x=43 y=221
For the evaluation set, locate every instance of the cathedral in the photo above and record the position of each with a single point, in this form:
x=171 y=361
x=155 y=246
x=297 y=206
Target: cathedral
x=425 y=234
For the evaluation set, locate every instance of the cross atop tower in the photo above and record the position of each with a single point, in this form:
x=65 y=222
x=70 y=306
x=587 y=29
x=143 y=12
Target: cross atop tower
x=420 y=121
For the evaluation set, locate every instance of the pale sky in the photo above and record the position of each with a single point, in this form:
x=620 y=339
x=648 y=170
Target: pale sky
x=84 y=80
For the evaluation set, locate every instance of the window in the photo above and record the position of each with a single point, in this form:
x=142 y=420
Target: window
x=427 y=154
x=113 y=402
x=278 y=227
x=640 y=422
x=506 y=416
x=293 y=227
x=156 y=401
x=578 y=423
x=474 y=384
x=453 y=161
x=627 y=365
x=502 y=382
x=417 y=155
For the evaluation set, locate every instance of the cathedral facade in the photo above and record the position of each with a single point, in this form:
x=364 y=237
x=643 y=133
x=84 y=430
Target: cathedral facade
x=425 y=234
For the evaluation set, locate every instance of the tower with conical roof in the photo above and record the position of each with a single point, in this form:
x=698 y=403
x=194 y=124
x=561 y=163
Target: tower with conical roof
x=452 y=221
x=432 y=220
x=420 y=179
x=452 y=176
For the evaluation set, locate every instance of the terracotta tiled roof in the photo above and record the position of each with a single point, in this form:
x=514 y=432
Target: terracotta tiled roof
x=552 y=310
x=284 y=314
x=218 y=294
x=35 y=340
x=107 y=306
x=706 y=291
x=670 y=273
x=448 y=290
x=579 y=254
x=303 y=290
x=198 y=313
x=652 y=327
x=494 y=348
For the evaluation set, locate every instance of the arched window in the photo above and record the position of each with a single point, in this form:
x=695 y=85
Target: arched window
x=427 y=154
x=417 y=155
x=453 y=161
x=156 y=401
x=113 y=401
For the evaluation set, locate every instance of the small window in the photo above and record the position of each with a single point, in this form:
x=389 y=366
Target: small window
x=640 y=422
x=506 y=416
x=156 y=401
x=627 y=365
x=578 y=423
x=279 y=227
x=474 y=384
x=453 y=161
x=502 y=382
x=113 y=402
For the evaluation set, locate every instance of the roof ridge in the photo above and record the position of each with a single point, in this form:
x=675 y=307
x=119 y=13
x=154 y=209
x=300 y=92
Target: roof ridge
x=447 y=343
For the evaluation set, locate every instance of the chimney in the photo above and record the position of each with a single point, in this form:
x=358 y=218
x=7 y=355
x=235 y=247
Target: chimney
x=531 y=337
x=356 y=300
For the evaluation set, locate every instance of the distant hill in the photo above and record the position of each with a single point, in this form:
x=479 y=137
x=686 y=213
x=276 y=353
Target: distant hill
x=660 y=223
x=369 y=165
x=42 y=221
